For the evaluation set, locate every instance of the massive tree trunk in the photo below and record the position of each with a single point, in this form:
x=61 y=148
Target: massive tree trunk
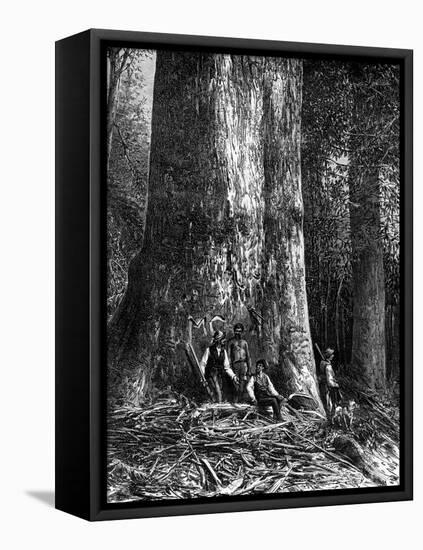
x=287 y=336
x=204 y=249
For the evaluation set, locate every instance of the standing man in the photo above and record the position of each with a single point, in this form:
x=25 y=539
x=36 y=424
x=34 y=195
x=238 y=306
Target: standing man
x=217 y=370
x=239 y=356
x=329 y=387
x=262 y=392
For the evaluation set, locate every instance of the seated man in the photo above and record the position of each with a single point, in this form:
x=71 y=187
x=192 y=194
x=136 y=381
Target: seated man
x=261 y=390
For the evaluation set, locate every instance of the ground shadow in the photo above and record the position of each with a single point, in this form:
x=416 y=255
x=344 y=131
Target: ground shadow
x=46 y=497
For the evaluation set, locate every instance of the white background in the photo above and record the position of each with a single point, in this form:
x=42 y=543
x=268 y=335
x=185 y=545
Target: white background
x=28 y=32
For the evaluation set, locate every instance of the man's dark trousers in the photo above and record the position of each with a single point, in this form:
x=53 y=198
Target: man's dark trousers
x=271 y=402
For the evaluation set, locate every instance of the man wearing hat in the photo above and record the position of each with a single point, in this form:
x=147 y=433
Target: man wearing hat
x=239 y=356
x=328 y=385
x=262 y=392
x=216 y=367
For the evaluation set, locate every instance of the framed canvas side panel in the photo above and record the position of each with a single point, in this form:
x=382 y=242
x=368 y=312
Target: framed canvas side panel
x=72 y=275
x=406 y=231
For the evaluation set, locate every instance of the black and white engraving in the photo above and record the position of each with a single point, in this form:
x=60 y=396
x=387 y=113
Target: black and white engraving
x=252 y=274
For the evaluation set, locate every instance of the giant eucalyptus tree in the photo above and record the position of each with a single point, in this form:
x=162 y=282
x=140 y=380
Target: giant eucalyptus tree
x=223 y=239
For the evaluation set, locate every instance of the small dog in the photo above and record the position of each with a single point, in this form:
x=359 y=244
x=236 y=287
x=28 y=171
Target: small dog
x=344 y=414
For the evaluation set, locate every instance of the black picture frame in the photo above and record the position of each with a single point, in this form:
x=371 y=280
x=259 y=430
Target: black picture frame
x=80 y=315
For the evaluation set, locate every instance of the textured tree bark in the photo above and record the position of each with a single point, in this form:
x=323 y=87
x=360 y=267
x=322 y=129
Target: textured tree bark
x=285 y=311
x=368 y=341
x=210 y=250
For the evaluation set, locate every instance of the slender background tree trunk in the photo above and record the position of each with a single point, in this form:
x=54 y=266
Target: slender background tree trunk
x=368 y=340
x=117 y=60
x=368 y=345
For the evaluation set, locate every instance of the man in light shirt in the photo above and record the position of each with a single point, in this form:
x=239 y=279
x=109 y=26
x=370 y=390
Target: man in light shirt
x=262 y=392
x=216 y=368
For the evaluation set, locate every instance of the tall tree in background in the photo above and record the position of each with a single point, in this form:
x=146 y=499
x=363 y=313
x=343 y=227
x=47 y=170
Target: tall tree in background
x=374 y=143
x=128 y=150
x=390 y=206
x=224 y=222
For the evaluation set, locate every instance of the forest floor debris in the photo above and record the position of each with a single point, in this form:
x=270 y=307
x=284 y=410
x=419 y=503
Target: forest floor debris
x=174 y=449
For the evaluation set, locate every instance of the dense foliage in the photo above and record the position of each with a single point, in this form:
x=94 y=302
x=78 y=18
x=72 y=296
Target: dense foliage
x=335 y=135
x=127 y=169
